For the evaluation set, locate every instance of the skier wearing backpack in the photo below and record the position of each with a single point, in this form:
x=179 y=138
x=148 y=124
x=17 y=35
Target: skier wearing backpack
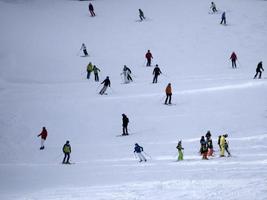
x=141 y=14
x=84 y=49
x=125 y=122
x=138 y=150
x=91 y=10
x=148 y=58
x=156 y=73
x=96 y=70
x=66 y=150
x=168 y=92
x=89 y=70
x=259 y=70
x=209 y=144
x=180 y=151
x=43 y=135
x=213 y=7
x=106 y=83
x=233 y=58
x=203 y=148
x=223 y=18
x=126 y=74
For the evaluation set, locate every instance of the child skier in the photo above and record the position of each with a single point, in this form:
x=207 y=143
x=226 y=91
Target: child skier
x=233 y=58
x=156 y=73
x=106 y=83
x=125 y=122
x=141 y=15
x=43 y=135
x=84 y=49
x=66 y=150
x=138 y=150
x=148 y=58
x=203 y=148
x=168 y=92
x=96 y=70
x=91 y=10
x=180 y=151
x=89 y=70
x=209 y=144
x=259 y=70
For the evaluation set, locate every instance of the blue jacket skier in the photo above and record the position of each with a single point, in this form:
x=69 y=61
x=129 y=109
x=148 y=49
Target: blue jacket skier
x=138 y=150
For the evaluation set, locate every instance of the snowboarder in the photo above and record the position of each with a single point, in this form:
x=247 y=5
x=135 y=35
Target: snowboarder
x=233 y=58
x=126 y=74
x=156 y=73
x=259 y=70
x=138 y=150
x=209 y=144
x=91 y=10
x=223 y=18
x=168 y=91
x=223 y=144
x=180 y=151
x=141 y=15
x=125 y=122
x=43 y=135
x=203 y=148
x=84 y=49
x=66 y=150
x=89 y=70
x=213 y=7
x=106 y=83
x=96 y=70
x=148 y=57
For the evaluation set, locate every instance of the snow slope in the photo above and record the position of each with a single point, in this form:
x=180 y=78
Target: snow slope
x=43 y=83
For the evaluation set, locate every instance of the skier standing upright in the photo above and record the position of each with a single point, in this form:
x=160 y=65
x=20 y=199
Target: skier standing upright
x=223 y=144
x=43 y=135
x=156 y=73
x=138 y=150
x=223 y=18
x=66 y=150
x=168 y=91
x=209 y=144
x=180 y=151
x=106 y=83
x=89 y=70
x=91 y=10
x=203 y=148
x=125 y=122
x=141 y=14
x=148 y=58
x=96 y=70
x=259 y=70
x=83 y=47
x=233 y=58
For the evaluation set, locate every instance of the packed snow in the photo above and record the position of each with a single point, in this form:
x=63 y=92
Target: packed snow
x=43 y=83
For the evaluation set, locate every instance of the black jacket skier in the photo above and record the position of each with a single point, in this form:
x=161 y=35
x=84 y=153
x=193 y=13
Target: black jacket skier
x=106 y=83
x=125 y=122
x=141 y=15
x=156 y=73
x=91 y=10
x=259 y=70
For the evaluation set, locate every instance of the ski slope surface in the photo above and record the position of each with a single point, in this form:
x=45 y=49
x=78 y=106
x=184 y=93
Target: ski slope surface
x=43 y=83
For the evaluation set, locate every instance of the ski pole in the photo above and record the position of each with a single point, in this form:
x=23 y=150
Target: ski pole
x=164 y=75
x=135 y=155
x=97 y=88
x=239 y=63
x=147 y=155
x=113 y=90
x=78 y=53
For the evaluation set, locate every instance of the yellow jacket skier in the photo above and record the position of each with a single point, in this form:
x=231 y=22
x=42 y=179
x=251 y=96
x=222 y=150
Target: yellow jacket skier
x=223 y=144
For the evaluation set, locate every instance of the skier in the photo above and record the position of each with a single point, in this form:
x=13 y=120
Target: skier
x=66 y=150
x=156 y=73
x=180 y=151
x=106 y=85
x=219 y=140
x=91 y=10
x=223 y=19
x=125 y=122
x=223 y=144
x=209 y=144
x=168 y=91
x=203 y=148
x=89 y=70
x=138 y=150
x=126 y=74
x=84 y=49
x=233 y=58
x=96 y=70
x=226 y=148
x=141 y=15
x=259 y=70
x=148 y=57
x=213 y=7
x=43 y=135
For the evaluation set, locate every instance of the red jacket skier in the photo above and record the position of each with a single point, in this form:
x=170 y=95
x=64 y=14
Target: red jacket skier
x=148 y=57
x=233 y=58
x=43 y=135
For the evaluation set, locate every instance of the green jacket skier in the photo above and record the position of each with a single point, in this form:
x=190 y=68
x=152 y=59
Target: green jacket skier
x=180 y=152
x=89 y=70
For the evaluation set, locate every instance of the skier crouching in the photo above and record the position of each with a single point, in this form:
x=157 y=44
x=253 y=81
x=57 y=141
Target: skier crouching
x=138 y=150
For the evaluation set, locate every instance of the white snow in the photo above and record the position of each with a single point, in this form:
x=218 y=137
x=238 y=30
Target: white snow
x=43 y=83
